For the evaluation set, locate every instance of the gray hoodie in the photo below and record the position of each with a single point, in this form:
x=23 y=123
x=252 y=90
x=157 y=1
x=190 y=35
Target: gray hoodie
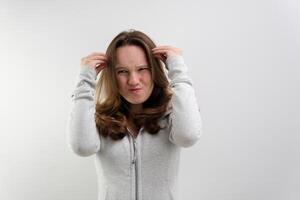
x=145 y=167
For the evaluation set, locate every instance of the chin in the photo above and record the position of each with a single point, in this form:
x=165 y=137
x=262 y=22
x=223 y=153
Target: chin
x=135 y=101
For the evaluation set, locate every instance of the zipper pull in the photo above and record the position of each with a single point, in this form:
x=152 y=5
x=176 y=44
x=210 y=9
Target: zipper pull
x=134 y=152
x=134 y=159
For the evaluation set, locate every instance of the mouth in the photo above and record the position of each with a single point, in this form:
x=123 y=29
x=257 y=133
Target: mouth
x=135 y=89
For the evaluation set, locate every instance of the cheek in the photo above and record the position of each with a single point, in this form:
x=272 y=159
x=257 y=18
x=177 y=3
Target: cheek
x=121 y=82
x=148 y=79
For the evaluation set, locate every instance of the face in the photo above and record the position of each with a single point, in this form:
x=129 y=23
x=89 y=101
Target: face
x=133 y=75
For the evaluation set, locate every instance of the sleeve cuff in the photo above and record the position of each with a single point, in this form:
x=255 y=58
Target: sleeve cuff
x=175 y=60
x=89 y=72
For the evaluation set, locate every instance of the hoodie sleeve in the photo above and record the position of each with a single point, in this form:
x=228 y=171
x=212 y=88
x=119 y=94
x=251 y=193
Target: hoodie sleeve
x=185 y=119
x=82 y=134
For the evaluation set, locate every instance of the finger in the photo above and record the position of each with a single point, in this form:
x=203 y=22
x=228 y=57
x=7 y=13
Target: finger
x=165 y=47
x=159 y=49
x=95 y=58
x=101 y=62
x=99 y=68
x=96 y=63
x=161 y=57
x=160 y=52
x=95 y=54
x=101 y=57
x=167 y=53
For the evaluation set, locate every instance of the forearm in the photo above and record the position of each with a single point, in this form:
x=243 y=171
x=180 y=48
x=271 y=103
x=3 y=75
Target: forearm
x=82 y=133
x=185 y=118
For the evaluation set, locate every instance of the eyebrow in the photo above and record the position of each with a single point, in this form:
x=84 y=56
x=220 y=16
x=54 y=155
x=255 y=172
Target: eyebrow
x=118 y=67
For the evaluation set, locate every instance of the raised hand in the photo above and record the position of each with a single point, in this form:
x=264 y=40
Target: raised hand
x=164 y=51
x=96 y=61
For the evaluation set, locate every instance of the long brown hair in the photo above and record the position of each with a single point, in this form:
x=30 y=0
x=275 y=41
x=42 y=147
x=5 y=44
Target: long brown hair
x=112 y=109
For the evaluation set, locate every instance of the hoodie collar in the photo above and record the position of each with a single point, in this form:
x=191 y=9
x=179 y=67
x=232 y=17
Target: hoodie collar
x=169 y=109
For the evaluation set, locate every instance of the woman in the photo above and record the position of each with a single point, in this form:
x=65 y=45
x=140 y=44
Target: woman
x=135 y=117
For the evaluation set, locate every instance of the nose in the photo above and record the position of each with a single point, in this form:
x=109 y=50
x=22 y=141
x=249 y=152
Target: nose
x=133 y=79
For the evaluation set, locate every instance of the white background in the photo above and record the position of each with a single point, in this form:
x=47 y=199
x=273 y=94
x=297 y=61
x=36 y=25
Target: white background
x=242 y=55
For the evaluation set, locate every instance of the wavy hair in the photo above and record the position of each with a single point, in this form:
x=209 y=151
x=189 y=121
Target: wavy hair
x=112 y=109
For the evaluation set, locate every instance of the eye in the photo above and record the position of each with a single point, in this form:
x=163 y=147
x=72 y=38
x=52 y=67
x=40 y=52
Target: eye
x=121 y=71
x=144 y=68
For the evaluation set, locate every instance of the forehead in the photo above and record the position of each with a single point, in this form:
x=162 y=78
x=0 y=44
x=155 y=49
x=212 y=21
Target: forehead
x=130 y=56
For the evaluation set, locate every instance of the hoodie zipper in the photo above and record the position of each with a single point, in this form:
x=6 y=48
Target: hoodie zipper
x=133 y=162
x=136 y=172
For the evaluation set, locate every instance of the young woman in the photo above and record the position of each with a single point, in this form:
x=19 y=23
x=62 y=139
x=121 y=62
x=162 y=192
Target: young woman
x=134 y=115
